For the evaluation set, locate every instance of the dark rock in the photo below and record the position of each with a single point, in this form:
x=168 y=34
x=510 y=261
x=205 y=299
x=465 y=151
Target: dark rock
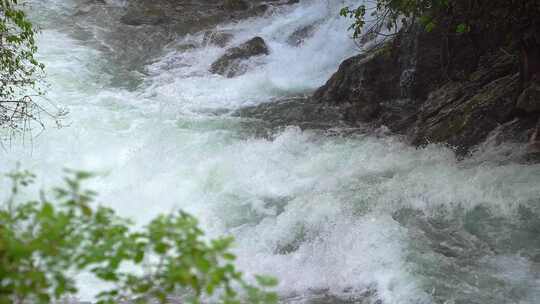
x=463 y=115
x=140 y=30
x=529 y=100
x=360 y=85
x=518 y=130
x=137 y=32
x=149 y=17
x=219 y=38
x=235 y=5
x=260 y=9
x=185 y=47
x=231 y=64
x=301 y=111
x=457 y=98
x=534 y=142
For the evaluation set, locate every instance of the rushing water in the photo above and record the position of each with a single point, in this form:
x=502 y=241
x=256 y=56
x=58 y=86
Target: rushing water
x=336 y=219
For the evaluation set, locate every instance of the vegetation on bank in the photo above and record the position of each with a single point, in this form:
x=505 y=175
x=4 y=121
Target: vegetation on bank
x=45 y=242
x=21 y=74
x=514 y=24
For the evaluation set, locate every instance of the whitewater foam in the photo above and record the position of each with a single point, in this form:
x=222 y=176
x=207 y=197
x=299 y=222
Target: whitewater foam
x=318 y=212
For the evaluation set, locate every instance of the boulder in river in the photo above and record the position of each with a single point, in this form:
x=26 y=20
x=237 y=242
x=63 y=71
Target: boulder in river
x=298 y=37
x=232 y=63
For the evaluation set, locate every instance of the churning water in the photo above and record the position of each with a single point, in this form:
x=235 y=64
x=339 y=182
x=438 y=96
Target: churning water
x=356 y=219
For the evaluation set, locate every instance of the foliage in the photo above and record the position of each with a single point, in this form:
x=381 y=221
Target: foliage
x=20 y=71
x=390 y=13
x=43 y=243
x=457 y=16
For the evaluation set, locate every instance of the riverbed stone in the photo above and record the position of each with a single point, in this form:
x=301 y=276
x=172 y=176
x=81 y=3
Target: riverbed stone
x=231 y=64
x=298 y=37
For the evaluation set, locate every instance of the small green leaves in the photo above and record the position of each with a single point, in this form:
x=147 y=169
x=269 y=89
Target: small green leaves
x=21 y=73
x=358 y=15
x=42 y=244
x=429 y=26
x=388 y=14
x=463 y=28
x=344 y=12
x=266 y=281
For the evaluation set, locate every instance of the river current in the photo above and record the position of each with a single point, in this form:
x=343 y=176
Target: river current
x=337 y=219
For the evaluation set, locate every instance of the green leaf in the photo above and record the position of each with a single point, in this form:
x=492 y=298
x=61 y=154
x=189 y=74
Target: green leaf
x=430 y=26
x=462 y=28
x=266 y=281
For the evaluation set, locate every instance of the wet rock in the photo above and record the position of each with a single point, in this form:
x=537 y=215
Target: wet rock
x=349 y=295
x=401 y=85
x=234 y=5
x=219 y=38
x=534 y=142
x=185 y=47
x=518 y=130
x=231 y=63
x=260 y=9
x=360 y=85
x=529 y=100
x=300 y=111
x=87 y=6
x=148 y=17
x=298 y=37
x=462 y=115
x=139 y=30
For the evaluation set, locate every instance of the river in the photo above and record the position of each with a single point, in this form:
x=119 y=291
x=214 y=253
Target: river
x=337 y=219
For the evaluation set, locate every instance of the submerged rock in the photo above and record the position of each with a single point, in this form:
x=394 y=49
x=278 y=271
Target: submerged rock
x=138 y=30
x=231 y=63
x=219 y=38
x=298 y=37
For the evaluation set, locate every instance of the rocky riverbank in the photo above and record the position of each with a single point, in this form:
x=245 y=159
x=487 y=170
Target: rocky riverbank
x=428 y=87
x=460 y=97
x=138 y=31
x=406 y=86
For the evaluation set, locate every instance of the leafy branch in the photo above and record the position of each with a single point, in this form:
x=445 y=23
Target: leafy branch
x=44 y=242
x=20 y=73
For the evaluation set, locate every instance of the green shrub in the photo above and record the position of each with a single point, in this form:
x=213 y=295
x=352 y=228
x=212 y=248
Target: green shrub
x=458 y=16
x=44 y=242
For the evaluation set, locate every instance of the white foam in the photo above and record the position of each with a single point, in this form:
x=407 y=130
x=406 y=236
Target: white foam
x=314 y=211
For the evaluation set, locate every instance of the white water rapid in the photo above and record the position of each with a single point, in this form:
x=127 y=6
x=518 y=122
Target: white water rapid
x=357 y=218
